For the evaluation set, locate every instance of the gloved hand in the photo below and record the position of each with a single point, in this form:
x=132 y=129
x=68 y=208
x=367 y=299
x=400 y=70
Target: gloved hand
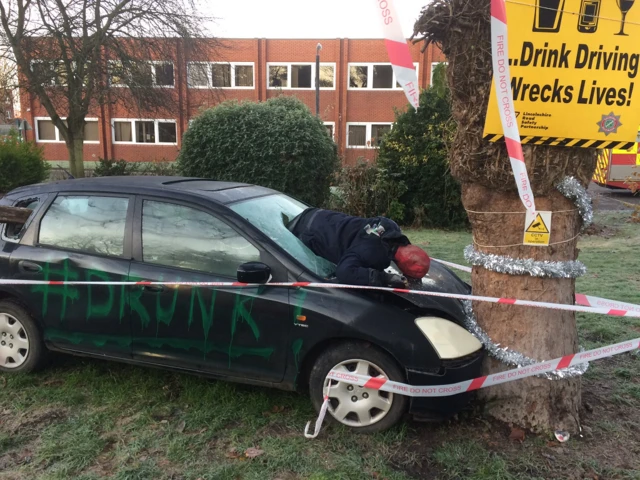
x=395 y=281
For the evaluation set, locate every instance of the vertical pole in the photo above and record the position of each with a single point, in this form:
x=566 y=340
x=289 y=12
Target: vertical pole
x=318 y=48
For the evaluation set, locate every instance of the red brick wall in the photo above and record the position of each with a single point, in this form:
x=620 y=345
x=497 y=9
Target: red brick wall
x=339 y=105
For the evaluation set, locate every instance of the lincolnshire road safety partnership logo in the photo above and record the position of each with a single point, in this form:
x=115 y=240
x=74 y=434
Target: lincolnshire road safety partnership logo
x=609 y=124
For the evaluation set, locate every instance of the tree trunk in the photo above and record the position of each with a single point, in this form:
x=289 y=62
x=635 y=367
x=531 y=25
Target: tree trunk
x=462 y=28
x=76 y=157
x=541 y=334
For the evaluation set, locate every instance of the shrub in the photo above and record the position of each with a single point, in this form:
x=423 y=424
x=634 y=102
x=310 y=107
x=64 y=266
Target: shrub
x=277 y=144
x=414 y=153
x=363 y=190
x=114 y=168
x=21 y=163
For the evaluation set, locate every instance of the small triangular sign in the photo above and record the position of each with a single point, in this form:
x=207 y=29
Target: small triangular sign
x=537 y=226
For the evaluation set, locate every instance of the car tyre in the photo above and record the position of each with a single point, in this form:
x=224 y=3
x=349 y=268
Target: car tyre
x=22 y=348
x=367 y=410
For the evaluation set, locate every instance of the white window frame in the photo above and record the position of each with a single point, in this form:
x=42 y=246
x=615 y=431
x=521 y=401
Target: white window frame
x=233 y=75
x=134 y=133
x=59 y=138
x=333 y=129
x=368 y=145
x=369 y=66
x=153 y=74
x=313 y=75
x=433 y=65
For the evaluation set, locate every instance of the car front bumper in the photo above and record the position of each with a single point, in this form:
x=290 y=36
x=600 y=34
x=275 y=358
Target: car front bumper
x=452 y=371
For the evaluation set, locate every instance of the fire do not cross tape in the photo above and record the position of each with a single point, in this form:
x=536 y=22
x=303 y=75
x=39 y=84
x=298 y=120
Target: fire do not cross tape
x=616 y=312
x=378 y=383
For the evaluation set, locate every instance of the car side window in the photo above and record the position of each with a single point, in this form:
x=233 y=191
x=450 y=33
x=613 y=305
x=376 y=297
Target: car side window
x=179 y=236
x=90 y=224
x=13 y=231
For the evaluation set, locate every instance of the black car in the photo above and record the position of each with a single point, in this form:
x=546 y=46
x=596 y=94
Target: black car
x=173 y=229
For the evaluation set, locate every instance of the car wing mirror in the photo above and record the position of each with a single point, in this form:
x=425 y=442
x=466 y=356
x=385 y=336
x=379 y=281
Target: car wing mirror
x=254 y=272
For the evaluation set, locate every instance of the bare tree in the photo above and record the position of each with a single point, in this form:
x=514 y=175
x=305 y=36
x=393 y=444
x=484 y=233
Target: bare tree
x=77 y=55
x=462 y=29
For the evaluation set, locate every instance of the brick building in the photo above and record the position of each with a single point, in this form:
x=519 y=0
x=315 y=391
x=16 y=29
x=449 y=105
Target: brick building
x=357 y=96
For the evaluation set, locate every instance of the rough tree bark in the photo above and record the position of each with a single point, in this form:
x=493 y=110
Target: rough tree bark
x=76 y=157
x=462 y=29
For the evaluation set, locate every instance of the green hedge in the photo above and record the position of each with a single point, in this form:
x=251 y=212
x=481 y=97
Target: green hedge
x=278 y=144
x=21 y=163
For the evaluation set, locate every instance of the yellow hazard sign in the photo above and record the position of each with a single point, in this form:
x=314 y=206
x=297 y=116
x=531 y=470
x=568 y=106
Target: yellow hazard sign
x=574 y=68
x=537 y=229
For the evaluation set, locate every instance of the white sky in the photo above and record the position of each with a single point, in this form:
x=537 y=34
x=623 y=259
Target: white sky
x=305 y=18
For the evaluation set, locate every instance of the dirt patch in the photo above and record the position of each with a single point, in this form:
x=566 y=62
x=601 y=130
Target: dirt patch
x=603 y=231
x=33 y=421
x=607 y=447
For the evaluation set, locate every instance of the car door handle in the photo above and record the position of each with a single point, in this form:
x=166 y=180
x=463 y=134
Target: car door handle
x=154 y=288
x=29 y=267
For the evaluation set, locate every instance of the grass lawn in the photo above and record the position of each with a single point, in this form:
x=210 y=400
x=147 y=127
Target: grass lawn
x=87 y=419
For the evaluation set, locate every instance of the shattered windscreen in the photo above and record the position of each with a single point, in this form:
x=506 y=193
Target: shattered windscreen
x=269 y=215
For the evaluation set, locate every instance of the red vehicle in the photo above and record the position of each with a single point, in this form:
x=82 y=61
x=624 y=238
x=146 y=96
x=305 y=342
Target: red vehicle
x=619 y=168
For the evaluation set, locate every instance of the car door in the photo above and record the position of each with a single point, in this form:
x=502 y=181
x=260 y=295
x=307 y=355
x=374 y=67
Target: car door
x=79 y=237
x=225 y=331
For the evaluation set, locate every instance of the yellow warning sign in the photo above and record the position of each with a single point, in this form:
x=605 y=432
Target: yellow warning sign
x=537 y=229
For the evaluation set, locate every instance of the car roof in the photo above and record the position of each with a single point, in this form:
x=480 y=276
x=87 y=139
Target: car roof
x=221 y=192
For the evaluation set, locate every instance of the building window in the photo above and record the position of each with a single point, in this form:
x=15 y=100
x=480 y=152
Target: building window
x=220 y=75
x=163 y=74
x=145 y=131
x=383 y=76
x=156 y=73
x=377 y=132
x=300 y=75
x=373 y=76
x=366 y=135
x=433 y=68
x=46 y=131
x=278 y=76
x=330 y=126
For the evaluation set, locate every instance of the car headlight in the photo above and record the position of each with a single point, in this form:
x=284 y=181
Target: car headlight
x=449 y=339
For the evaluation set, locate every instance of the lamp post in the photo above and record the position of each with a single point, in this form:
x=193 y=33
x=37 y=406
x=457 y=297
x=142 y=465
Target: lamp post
x=318 y=48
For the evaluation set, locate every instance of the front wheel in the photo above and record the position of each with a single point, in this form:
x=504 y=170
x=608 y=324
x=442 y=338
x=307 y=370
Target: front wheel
x=366 y=410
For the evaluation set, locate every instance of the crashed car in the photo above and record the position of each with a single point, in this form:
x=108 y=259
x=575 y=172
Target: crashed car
x=175 y=229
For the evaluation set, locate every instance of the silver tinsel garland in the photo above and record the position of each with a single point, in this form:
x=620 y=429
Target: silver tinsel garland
x=511 y=357
x=524 y=266
x=571 y=188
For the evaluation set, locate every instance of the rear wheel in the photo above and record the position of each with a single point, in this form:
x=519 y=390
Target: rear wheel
x=21 y=346
x=366 y=410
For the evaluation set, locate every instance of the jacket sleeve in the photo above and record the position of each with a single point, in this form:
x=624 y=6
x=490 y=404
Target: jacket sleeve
x=354 y=267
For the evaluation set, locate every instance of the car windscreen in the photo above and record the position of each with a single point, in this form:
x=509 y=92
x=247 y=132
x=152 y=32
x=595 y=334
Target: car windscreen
x=270 y=214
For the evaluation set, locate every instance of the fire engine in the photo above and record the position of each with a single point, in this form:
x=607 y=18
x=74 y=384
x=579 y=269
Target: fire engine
x=618 y=168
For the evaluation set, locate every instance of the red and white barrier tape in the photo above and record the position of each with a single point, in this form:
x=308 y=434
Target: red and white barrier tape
x=398 y=51
x=507 y=301
x=381 y=383
x=378 y=383
x=502 y=81
x=581 y=299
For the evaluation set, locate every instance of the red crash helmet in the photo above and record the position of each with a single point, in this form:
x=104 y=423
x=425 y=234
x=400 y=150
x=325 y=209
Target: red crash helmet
x=412 y=261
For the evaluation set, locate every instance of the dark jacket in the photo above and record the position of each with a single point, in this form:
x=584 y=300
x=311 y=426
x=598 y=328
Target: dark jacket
x=362 y=248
